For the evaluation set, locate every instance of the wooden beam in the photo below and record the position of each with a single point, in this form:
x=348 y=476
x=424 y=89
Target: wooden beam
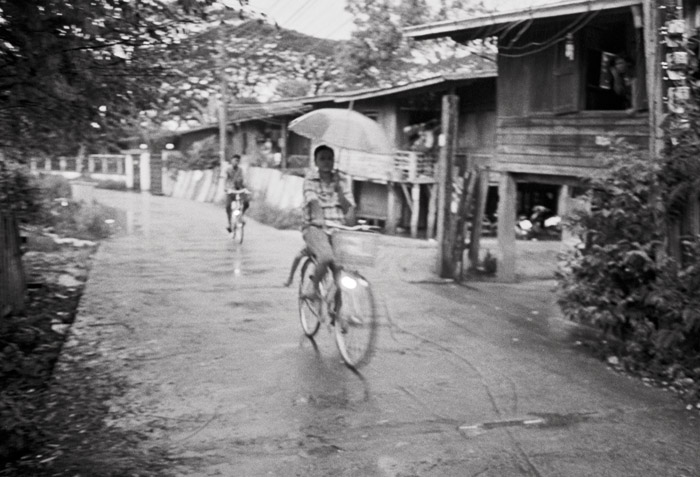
x=563 y=209
x=283 y=144
x=654 y=73
x=450 y=111
x=507 y=196
x=407 y=196
x=415 y=209
x=552 y=180
x=482 y=188
x=432 y=211
x=459 y=223
x=391 y=216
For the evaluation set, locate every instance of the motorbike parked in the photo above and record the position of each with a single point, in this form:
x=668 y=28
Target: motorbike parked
x=542 y=224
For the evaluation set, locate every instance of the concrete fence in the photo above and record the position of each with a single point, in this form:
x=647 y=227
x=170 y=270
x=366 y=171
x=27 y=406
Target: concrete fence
x=277 y=189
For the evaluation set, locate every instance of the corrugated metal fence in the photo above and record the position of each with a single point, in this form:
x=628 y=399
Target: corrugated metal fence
x=12 y=280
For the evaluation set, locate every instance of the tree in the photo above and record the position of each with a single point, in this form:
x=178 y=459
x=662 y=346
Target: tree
x=70 y=69
x=259 y=60
x=78 y=72
x=379 y=55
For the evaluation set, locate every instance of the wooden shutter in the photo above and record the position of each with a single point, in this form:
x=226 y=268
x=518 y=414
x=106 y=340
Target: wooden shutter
x=566 y=79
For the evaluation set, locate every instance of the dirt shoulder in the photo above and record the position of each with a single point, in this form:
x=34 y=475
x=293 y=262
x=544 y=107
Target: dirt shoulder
x=66 y=404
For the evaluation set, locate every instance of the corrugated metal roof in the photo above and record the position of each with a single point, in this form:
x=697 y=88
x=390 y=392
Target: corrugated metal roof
x=297 y=106
x=482 y=26
x=347 y=96
x=249 y=112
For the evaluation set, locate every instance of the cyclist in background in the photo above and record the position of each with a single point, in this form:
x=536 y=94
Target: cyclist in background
x=328 y=199
x=234 y=184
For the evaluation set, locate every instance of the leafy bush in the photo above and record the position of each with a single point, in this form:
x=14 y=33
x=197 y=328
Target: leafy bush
x=19 y=193
x=27 y=353
x=52 y=186
x=82 y=221
x=278 y=218
x=201 y=155
x=111 y=185
x=619 y=278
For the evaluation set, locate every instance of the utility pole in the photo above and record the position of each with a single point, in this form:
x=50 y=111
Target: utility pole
x=224 y=100
x=444 y=265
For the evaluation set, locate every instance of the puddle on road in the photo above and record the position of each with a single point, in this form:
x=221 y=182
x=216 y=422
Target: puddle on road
x=541 y=421
x=255 y=306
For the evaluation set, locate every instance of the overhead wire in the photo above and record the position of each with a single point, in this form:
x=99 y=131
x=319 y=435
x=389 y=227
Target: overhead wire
x=584 y=20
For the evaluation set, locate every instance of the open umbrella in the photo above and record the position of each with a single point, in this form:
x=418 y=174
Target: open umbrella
x=343 y=128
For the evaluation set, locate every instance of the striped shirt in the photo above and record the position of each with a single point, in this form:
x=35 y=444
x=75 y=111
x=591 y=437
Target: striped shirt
x=234 y=178
x=332 y=203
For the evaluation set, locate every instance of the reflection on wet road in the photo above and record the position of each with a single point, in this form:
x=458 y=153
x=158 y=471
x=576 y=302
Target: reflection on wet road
x=465 y=381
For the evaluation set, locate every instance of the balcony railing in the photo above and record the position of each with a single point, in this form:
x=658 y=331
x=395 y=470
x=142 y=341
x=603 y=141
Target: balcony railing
x=402 y=166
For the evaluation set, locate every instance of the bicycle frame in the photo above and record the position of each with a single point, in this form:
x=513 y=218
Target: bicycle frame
x=347 y=306
x=236 y=220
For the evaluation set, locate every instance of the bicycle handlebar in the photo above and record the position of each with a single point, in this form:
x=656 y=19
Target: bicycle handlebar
x=360 y=227
x=237 y=191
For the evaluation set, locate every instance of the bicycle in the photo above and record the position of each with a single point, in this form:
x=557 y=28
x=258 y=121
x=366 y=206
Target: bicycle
x=347 y=303
x=237 y=224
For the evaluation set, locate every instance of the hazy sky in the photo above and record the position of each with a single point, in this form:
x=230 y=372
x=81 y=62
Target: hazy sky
x=328 y=18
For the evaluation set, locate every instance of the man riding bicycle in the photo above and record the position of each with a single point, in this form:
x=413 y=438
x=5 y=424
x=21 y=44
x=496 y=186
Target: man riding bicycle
x=328 y=199
x=234 y=185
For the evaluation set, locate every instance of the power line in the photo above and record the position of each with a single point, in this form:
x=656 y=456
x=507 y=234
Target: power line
x=583 y=19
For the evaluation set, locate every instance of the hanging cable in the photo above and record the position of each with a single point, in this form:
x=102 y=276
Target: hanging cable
x=552 y=41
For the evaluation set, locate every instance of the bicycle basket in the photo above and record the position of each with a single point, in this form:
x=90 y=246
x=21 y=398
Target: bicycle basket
x=355 y=249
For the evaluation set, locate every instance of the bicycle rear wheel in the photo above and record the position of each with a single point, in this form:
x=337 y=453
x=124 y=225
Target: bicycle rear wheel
x=356 y=323
x=309 y=312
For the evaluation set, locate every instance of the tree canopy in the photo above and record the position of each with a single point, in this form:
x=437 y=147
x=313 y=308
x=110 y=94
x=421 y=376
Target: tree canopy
x=378 y=54
x=81 y=74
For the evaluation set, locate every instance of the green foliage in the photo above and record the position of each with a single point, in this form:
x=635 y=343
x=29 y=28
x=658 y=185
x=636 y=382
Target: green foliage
x=53 y=186
x=82 y=221
x=255 y=55
x=619 y=278
x=681 y=168
x=111 y=185
x=27 y=353
x=274 y=217
x=19 y=193
x=78 y=72
x=378 y=54
x=201 y=155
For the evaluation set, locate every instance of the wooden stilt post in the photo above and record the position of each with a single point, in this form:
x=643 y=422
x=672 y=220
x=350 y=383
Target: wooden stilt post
x=415 y=209
x=283 y=145
x=391 y=216
x=432 y=211
x=507 y=195
x=563 y=209
x=482 y=187
x=450 y=104
x=459 y=222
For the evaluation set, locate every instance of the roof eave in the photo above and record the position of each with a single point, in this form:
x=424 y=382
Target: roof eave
x=472 y=25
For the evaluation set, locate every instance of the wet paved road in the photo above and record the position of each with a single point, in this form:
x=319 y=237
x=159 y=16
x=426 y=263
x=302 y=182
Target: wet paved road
x=484 y=380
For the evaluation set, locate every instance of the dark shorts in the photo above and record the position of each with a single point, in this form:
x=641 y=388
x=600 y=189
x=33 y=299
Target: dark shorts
x=318 y=242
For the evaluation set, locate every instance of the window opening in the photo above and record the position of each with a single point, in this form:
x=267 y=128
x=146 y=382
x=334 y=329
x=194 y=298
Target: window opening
x=611 y=66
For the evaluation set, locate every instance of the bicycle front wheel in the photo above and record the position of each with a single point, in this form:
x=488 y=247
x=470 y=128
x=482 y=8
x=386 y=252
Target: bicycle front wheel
x=238 y=231
x=309 y=312
x=356 y=323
